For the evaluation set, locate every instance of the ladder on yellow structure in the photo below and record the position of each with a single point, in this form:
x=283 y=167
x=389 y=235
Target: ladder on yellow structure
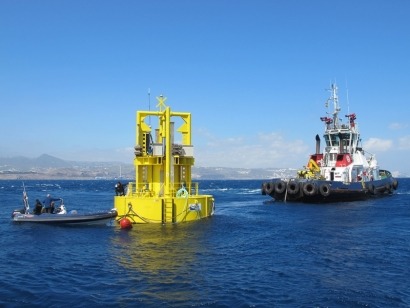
x=168 y=211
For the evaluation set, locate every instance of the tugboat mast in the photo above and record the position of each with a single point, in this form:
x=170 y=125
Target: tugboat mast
x=336 y=108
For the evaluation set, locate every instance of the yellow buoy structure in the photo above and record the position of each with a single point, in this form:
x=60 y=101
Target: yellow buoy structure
x=163 y=191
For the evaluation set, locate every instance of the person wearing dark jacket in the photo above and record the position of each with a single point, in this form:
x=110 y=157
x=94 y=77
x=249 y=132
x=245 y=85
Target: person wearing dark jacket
x=38 y=207
x=119 y=189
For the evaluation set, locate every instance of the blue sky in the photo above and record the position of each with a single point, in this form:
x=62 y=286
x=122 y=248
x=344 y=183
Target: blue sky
x=252 y=73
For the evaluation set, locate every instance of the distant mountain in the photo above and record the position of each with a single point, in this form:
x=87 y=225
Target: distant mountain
x=24 y=163
x=48 y=161
x=49 y=167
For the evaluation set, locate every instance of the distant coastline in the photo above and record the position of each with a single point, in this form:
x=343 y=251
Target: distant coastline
x=198 y=173
x=47 y=167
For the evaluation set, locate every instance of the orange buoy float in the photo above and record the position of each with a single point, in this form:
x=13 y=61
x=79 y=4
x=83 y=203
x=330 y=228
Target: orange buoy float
x=125 y=223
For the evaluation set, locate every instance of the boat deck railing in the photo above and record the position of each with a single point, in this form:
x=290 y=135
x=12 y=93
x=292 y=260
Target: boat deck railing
x=144 y=190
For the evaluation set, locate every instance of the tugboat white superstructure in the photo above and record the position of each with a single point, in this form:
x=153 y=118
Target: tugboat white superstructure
x=163 y=191
x=343 y=172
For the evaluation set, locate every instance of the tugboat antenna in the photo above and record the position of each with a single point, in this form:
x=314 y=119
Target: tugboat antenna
x=335 y=100
x=347 y=99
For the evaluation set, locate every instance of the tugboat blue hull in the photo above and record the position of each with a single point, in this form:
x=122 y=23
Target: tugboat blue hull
x=320 y=191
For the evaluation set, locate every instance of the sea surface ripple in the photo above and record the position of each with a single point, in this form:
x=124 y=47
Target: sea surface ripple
x=252 y=253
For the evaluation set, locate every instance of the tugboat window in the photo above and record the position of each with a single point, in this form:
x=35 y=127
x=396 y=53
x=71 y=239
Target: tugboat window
x=326 y=137
x=334 y=140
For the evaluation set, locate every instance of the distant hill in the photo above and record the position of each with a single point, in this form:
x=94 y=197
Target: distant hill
x=47 y=166
x=43 y=161
x=50 y=167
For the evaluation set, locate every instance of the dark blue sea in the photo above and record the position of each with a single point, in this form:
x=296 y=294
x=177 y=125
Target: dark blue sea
x=252 y=253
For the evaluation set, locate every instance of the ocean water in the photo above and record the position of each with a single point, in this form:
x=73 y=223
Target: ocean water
x=252 y=253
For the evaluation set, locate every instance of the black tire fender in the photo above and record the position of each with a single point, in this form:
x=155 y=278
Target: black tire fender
x=269 y=187
x=309 y=189
x=293 y=187
x=395 y=184
x=280 y=187
x=324 y=190
x=263 y=189
x=371 y=189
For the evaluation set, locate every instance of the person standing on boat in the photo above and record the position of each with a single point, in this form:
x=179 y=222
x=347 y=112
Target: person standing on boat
x=119 y=189
x=49 y=203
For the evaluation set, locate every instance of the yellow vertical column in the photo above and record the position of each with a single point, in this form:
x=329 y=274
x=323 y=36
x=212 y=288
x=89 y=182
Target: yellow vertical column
x=168 y=152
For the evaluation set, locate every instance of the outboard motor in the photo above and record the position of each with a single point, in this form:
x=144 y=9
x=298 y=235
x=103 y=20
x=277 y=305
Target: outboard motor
x=61 y=209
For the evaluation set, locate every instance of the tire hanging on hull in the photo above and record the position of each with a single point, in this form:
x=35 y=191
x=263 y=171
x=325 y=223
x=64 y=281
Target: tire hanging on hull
x=293 y=188
x=280 y=187
x=371 y=189
x=395 y=184
x=324 y=190
x=389 y=188
x=309 y=189
x=269 y=187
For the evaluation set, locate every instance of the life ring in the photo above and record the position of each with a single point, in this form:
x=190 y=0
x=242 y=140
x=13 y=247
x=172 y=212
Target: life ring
x=280 y=187
x=293 y=187
x=269 y=187
x=324 y=190
x=182 y=193
x=309 y=189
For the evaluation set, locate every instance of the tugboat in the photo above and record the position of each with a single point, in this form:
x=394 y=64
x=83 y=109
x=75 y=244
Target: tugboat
x=343 y=172
x=163 y=191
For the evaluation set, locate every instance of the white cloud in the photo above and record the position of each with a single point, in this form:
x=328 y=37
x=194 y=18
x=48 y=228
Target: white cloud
x=398 y=126
x=263 y=151
x=377 y=145
x=404 y=143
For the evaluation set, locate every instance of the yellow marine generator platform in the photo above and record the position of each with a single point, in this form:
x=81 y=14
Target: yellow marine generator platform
x=163 y=191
